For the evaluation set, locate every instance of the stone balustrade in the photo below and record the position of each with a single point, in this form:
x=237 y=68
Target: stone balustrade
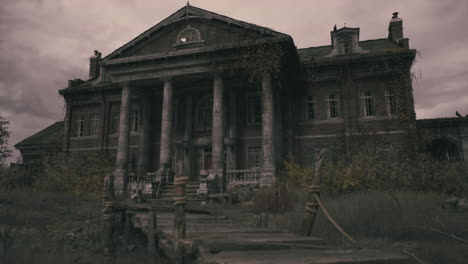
x=242 y=177
x=143 y=183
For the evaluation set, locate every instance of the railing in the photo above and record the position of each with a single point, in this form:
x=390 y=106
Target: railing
x=143 y=183
x=242 y=177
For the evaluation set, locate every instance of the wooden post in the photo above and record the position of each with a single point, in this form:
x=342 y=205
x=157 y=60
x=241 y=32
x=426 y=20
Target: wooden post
x=312 y=206
x=311 y=209
x=152 y=231
x=108 y=216
x=128 y=227
x=179 y=218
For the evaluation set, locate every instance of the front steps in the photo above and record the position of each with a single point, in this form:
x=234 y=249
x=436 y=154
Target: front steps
x=166 y=195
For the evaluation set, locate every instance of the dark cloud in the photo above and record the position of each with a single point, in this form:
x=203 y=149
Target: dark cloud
x=46 y=42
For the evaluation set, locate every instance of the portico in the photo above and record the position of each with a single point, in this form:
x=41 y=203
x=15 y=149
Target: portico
x=211 y=149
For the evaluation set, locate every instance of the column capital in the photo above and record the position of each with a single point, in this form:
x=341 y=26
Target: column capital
x=167 y=78
x=218 y=74
x=125 y=84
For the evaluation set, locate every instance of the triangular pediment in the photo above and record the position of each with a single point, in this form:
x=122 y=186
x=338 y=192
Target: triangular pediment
x=191 y=27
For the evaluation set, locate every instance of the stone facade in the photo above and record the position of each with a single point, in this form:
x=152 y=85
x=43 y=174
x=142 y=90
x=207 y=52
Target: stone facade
x=179 y=93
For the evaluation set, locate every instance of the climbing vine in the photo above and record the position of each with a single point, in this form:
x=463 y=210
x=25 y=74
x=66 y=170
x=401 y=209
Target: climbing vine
x=255 y=60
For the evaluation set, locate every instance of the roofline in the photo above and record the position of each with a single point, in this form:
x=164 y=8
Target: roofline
x=21 y=142
x=360 y=41
x=172 y=19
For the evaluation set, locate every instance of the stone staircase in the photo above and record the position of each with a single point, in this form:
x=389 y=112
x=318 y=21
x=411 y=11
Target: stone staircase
x=166 y=195
x=212 y=239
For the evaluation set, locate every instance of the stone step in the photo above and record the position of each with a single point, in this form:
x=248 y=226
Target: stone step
x=222 y=245
x=305 y=256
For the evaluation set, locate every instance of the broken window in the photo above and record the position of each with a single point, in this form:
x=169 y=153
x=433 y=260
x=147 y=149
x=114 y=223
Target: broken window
x=367 y=104
x=254 y=110
x=332 y=105
x=254 y=156
x=309 y=108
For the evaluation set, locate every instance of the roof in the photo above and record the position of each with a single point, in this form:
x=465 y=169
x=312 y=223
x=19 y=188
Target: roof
x=373 y=46
x=50 y=136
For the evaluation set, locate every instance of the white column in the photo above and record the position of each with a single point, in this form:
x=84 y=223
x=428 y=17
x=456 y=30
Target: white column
x=268 y=155
x=232 y=150
x=166 y=125
x=217 y=146
x=188 y=137
x=120 y=174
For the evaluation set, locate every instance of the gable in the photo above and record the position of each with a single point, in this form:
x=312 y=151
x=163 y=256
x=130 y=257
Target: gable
x=50 y=136
x=211 y=34
x=214 y=30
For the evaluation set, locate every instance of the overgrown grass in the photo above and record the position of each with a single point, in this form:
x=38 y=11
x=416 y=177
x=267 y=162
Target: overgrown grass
x=56 y=227
x=383 y=220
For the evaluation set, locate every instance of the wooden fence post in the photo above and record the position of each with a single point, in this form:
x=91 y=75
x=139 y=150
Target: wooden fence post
x=108 y=216
x=311 y=209
x=152 y=231
x=179 y=218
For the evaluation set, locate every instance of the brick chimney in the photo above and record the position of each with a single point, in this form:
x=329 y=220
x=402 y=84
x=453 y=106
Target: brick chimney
x=94 y=67
x=395 y=31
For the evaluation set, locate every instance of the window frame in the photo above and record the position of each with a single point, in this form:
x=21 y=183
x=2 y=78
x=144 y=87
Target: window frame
x=207 y=123
x=79 y=127
x=308 y=100
x=248 y=159
x=114 y=123
x=336 y=100
x=367 y=100
x=251 y=116
x=93 y=129
x=390 y=93
x=135 y=121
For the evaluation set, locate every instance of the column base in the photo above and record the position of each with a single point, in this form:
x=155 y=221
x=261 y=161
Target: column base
x=202 y=191
x=166 y=175
x=119 y=182
x=267 y=177
x=215 y=181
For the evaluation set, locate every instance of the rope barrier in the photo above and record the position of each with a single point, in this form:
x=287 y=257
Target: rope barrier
x=333 y=221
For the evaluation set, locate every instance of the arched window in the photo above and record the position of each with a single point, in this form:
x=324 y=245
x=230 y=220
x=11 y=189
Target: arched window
x=204 y=114
x=188 y=35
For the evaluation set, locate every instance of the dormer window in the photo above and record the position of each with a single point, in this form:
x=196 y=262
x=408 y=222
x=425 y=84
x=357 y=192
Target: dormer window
x=345 y=41
x=347 y=45
x=189 y=37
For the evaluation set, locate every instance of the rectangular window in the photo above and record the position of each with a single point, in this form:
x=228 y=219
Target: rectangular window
x=115 y=119
x=332 y=105
x=367 y=104
x=93 y=124
x=135 y=121
x=309 y=108
x=254 y=156
x=391 y=102
x=254 y=110
x=79 y=126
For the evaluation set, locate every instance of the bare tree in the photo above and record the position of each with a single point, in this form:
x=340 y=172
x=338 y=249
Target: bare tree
x=4 y=135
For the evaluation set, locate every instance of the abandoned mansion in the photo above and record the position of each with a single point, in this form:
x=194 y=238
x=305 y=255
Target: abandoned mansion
x=205 y=95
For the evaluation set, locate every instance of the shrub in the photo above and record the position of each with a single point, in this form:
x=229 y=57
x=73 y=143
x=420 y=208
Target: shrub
x=78 y=173
x=15 y=177
x=421 y=174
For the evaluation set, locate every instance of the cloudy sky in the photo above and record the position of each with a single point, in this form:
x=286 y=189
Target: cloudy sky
x=44 y=43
